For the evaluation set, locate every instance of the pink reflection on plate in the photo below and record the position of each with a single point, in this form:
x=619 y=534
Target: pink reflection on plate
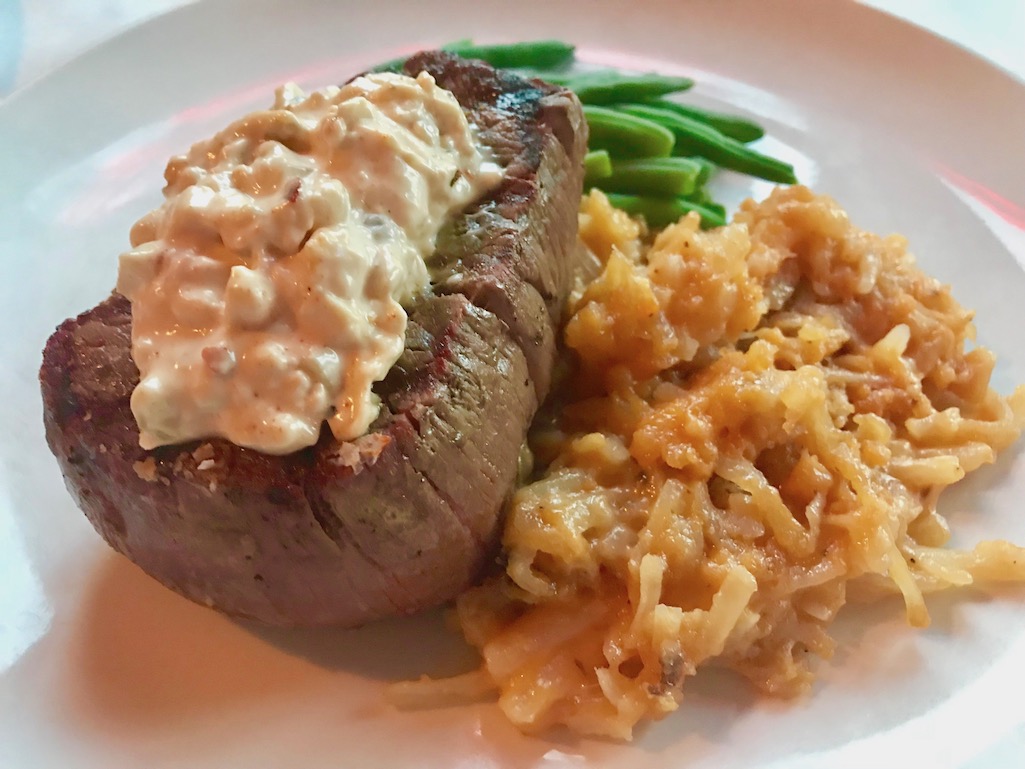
x=1011 y=212
x=1003 y=217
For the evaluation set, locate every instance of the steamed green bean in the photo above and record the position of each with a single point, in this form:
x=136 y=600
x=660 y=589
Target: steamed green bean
x=653 y=176
x=608 y=86
x=597 y=166
x=694 y=138
x=739 y=128
x=707 y=169
x=539 y=54
x=659 y=212
x=626 y=136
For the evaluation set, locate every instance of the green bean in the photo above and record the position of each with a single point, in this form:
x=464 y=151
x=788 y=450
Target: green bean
x=701 y=196
x=541 y=54
x=653 y=176
x=392 y=65
x=718 y=209
x=694 y=138
x=608 y=86
x=626 y=136
x=705 y=201
x=597 y=166
x=739 y=128
x=707 y=169
x=659 y=212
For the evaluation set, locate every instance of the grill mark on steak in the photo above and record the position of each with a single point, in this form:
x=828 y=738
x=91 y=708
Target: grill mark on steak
x=407 y=516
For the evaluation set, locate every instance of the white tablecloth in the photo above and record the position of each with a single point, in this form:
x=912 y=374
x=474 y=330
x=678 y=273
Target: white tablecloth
x=38 y=35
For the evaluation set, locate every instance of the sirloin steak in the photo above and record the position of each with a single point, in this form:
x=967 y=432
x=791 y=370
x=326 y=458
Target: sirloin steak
x=408 y=515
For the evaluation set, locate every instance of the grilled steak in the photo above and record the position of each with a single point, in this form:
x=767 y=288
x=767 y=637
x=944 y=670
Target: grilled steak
x=406 y=516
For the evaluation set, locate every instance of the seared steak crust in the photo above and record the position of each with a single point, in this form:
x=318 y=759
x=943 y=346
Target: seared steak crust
x=406 y=516
x=504 y=261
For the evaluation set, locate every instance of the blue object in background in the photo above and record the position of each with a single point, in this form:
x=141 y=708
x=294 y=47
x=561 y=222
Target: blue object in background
x=11 y=38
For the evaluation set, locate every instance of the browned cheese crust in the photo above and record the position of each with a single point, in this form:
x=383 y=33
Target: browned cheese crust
x=408 y=515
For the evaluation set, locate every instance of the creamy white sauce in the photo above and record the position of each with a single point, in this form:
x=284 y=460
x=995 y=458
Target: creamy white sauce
x=266 y=289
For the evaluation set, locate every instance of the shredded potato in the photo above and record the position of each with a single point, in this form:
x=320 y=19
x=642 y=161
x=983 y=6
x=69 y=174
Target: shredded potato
x=759 y=415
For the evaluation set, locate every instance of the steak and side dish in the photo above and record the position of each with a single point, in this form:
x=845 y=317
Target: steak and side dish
x=309 y=399
x=406 y=515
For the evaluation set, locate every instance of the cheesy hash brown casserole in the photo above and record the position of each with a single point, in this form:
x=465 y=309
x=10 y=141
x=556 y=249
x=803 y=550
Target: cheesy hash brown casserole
x=757 y=416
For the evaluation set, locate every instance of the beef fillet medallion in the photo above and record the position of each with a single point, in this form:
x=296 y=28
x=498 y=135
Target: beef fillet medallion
x=408 y=515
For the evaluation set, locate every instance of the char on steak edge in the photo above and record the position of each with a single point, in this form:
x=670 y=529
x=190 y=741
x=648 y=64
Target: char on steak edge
x=408 y=515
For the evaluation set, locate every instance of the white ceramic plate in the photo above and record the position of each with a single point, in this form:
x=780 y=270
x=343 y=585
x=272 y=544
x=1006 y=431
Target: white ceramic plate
x=102 y=667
